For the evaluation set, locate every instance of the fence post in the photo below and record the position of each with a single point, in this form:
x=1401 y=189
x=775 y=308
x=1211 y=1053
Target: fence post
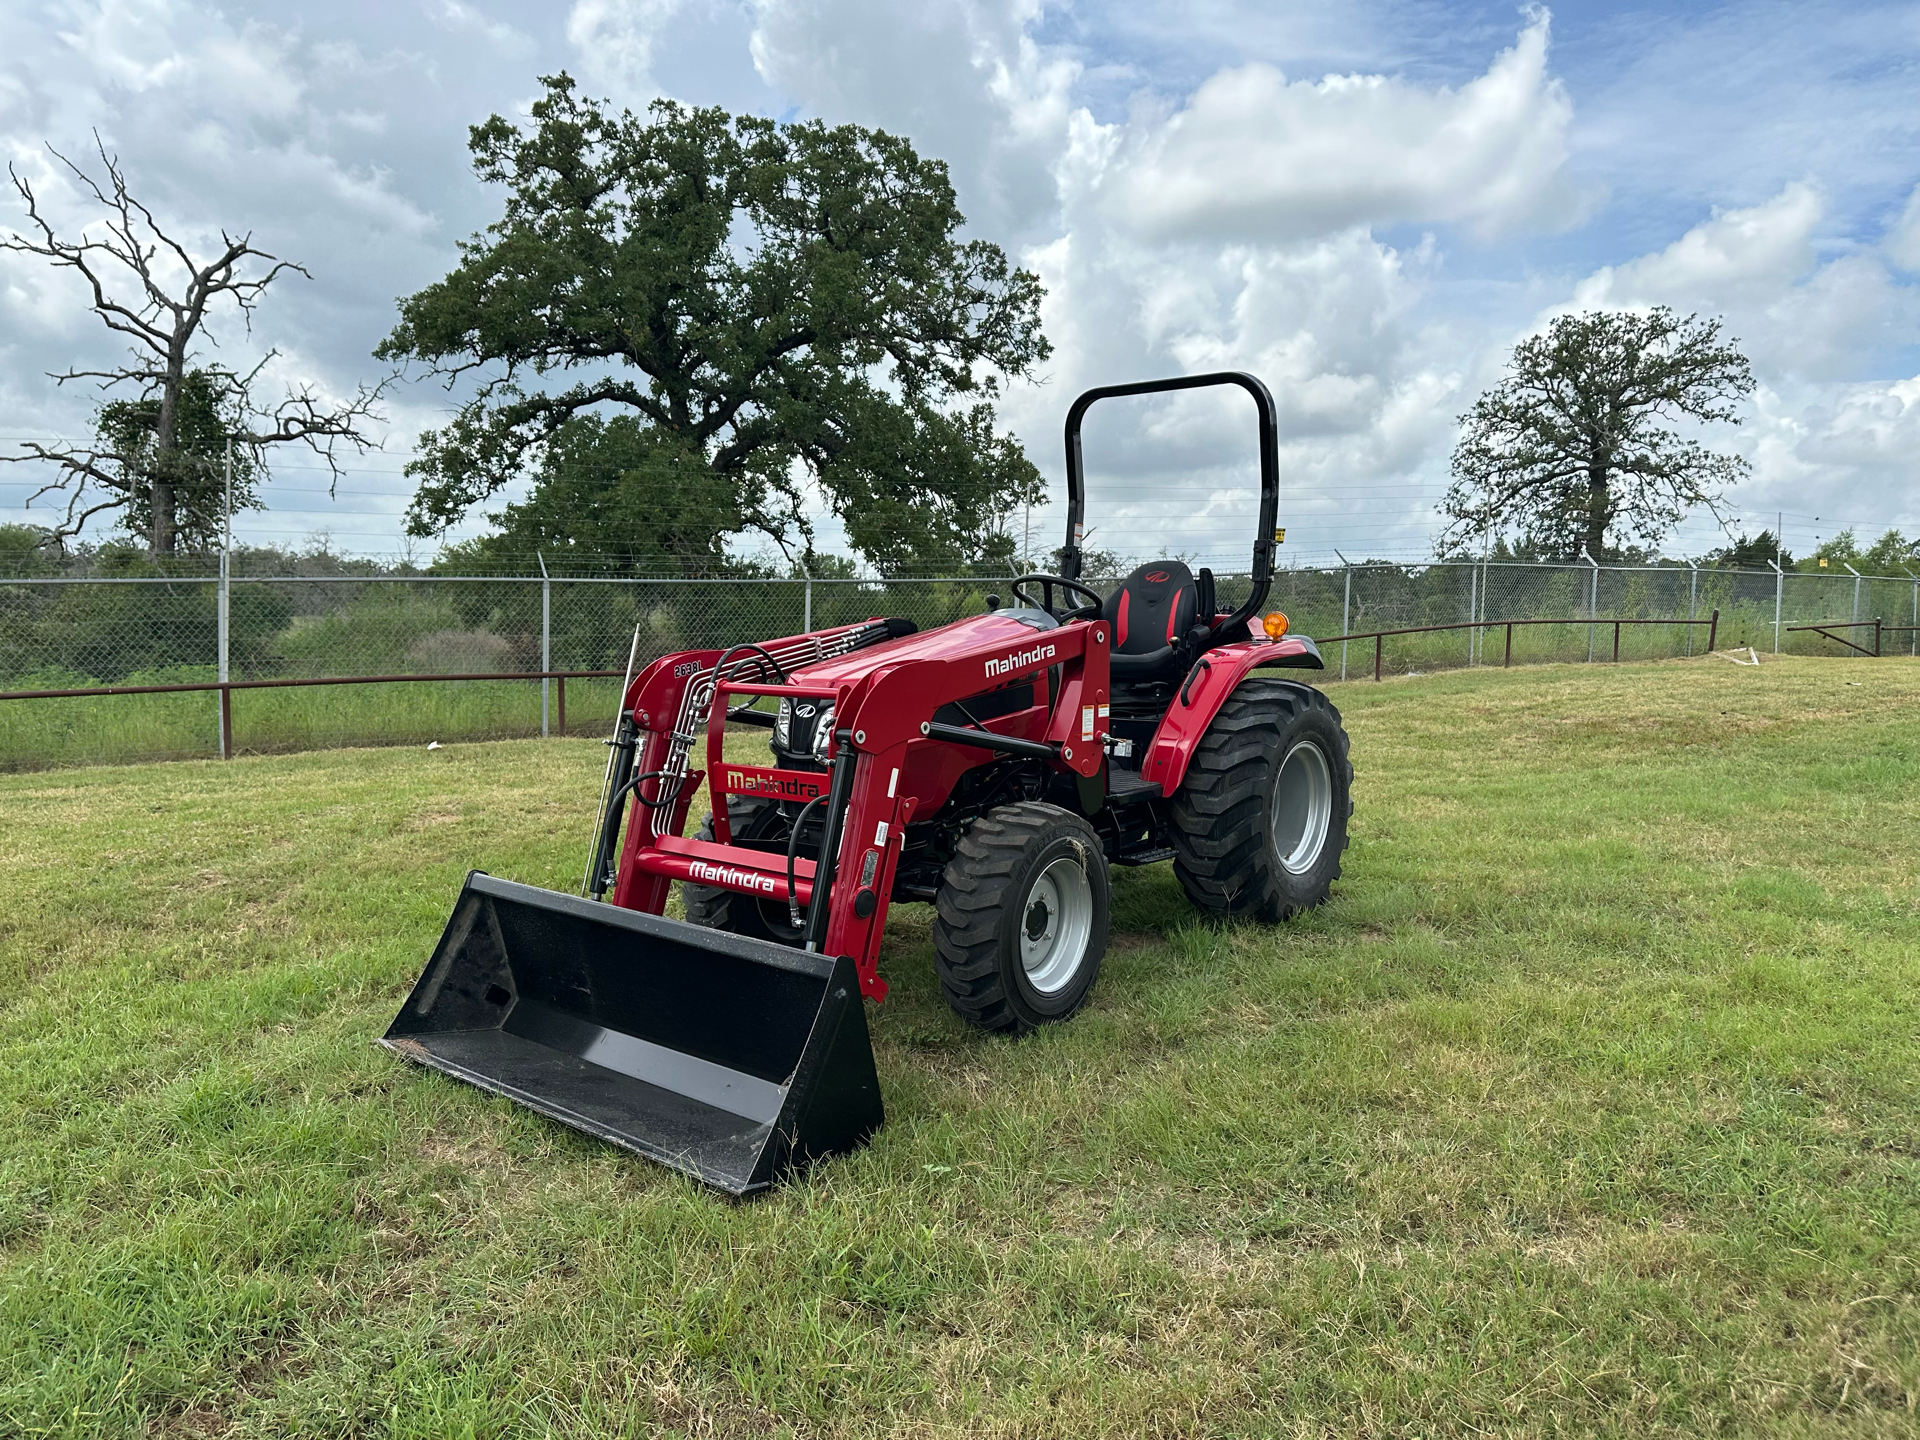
x=1856 y=591
x=560 y=695
x=1693 y=601
x=1779 y=589
x=1593 y=600
x=546 y=638
x=1473 y=604
x=1378 y=641
x=1914 y=634
x=1486 y=579
x=223 y=608
x=1508 y=662
x=1876 y=637
x=1346 y=611
x=806 y=613
x=1713 y=628
x=1616 y=642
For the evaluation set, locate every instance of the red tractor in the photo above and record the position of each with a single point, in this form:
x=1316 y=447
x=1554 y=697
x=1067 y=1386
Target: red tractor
x=996 y=766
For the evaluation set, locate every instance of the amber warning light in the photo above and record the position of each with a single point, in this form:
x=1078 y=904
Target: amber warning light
x=1275 y=625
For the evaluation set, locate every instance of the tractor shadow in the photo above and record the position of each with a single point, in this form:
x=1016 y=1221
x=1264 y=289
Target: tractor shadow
x=1173 y=975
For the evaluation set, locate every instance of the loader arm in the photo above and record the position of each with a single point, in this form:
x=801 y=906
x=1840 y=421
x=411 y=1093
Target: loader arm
x=881 y=700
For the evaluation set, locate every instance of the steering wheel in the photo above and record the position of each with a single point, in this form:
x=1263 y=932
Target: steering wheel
x=1070 y=587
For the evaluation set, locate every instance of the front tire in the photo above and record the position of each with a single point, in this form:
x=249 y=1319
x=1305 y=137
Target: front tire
x=1260 y=821
x=1021 y=918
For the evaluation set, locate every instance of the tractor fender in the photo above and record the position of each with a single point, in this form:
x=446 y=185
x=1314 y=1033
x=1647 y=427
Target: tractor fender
x=1205 y=690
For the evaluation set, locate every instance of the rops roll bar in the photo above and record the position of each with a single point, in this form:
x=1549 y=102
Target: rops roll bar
x=1269 y=474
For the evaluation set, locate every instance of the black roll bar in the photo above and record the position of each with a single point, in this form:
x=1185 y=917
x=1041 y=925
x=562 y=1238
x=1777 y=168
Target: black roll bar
x=1269 y=474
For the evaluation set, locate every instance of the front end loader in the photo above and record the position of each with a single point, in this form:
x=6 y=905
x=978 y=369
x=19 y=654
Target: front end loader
x=996 y=767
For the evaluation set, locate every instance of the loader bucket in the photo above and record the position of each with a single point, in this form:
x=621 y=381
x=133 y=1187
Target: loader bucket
x=733 y=1059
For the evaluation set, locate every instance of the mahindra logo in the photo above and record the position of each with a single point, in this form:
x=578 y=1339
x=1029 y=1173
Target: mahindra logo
x=1157 y=577
x=741 y=783
x=1006 y=665
x=727 y=875
x=804 y=711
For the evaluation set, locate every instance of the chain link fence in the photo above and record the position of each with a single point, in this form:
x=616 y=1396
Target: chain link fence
x=80 y=633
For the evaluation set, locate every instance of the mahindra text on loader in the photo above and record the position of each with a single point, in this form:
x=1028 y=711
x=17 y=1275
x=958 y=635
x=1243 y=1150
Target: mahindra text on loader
x=997 y=767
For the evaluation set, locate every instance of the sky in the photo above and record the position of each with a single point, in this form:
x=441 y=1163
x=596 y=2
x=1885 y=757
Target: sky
x=1366 y=205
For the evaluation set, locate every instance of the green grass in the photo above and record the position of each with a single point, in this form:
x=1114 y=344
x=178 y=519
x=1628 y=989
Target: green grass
x=1591 y=1105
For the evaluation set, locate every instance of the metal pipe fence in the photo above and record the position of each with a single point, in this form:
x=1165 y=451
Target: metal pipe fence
x=164 y=637
x=1478 y=627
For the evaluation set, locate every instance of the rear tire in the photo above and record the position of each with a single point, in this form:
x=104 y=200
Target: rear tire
x=1260 y=821
x=715 y=909
x=1021 y=918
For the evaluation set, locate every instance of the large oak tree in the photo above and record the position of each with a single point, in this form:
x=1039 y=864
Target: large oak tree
x=687 y=326
x=1576 y=446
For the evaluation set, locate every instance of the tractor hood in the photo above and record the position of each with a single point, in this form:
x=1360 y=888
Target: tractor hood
x=961 y=638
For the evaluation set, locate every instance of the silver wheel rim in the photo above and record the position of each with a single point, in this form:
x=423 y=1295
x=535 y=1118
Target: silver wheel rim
x=1302 y=807
x=1056 y=920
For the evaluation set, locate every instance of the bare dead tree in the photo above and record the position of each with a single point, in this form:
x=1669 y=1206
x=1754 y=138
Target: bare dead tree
x=139 y=459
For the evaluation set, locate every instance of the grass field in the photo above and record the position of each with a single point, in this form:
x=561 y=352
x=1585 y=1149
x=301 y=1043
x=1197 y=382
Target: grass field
x=1591 y=1105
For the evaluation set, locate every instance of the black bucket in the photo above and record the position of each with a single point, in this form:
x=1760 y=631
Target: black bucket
x=733 y=1059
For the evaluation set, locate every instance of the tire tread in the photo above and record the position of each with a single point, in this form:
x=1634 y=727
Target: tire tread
x=1218 y=816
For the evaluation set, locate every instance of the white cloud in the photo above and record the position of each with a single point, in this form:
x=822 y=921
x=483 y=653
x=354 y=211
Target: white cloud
x=1866 y=427
x=966 y=81
x=1234 y=232
x=1903 y=240
x=1735 y=256
x=614 y=40
x=1761 y=268
x=1258 y=158
x=508 y=38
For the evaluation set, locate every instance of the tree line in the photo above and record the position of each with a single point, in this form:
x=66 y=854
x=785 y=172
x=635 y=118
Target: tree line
x=691 y=331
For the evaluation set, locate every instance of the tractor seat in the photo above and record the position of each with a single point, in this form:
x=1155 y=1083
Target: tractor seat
x=1150 y=611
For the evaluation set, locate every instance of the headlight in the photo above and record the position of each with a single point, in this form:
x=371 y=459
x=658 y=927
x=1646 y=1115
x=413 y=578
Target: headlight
x=782 y=723
x=823 y=734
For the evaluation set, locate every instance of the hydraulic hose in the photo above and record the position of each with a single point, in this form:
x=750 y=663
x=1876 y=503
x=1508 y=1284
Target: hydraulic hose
x=610 y=823
x=637 y=781
x=793 y=850
x=620 y=760
x=720 y=665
